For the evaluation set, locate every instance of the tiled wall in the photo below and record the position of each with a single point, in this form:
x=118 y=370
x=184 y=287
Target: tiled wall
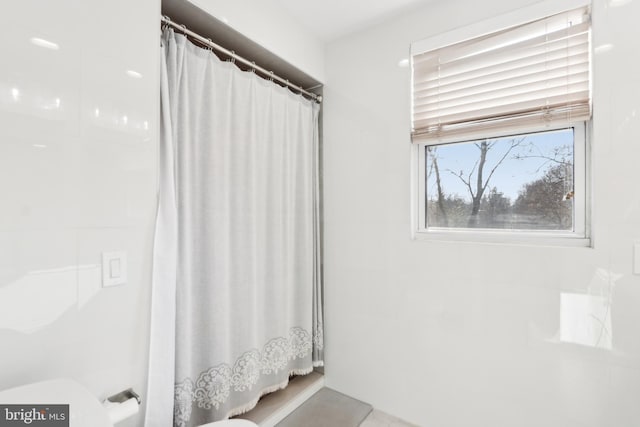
x=78 y=141
x=470 y=334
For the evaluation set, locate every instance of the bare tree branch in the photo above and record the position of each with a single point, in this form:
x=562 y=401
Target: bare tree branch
x=558 y=156
x=459 y=176
x=441 y=195
x=514 y=144
x=475 y=165
x=431 y=151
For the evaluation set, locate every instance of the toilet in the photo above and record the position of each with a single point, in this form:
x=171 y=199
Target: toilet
x=85 y=409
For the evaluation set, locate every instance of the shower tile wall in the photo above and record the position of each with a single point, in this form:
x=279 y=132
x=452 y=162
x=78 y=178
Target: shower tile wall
x=78 y=142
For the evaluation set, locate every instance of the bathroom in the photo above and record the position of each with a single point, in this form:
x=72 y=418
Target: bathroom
x=434 y=332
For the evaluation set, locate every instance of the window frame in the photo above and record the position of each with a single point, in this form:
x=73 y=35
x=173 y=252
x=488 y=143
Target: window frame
x=579 y=237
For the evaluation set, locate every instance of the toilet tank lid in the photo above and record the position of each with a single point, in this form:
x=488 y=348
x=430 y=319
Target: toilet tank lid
x=84 y=407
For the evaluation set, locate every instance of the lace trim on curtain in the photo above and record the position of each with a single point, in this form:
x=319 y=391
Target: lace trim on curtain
x=213 y=386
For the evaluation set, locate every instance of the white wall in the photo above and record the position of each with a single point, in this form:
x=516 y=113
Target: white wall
x=463 y=334
x=77 y=179
x=268 y=24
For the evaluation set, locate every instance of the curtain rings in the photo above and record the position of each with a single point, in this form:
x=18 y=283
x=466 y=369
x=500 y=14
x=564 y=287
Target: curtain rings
x=166 y=24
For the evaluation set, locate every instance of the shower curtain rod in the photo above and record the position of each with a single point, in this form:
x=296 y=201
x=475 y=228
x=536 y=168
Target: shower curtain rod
x=207 y=42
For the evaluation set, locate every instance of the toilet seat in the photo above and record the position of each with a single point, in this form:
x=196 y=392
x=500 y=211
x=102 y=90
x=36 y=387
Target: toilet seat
x=231 y=423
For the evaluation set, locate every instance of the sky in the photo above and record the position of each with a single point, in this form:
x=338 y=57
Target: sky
x=510 y=175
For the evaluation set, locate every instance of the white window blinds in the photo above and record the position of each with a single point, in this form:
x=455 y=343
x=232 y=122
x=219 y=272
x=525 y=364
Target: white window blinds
x=522 y=77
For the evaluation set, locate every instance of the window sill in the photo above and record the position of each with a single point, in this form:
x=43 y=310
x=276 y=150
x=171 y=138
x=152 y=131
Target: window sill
x=521 y=238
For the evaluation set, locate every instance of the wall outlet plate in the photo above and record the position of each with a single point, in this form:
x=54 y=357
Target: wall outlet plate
x=114 y=268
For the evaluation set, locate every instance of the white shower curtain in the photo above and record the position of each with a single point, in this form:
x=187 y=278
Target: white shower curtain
x=236 y=255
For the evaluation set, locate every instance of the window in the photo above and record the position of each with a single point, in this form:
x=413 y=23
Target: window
x=499 y=132
x=524 y=182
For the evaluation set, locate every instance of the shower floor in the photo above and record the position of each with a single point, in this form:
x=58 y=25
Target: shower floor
x=274 y=407
x=328 y=408
x=306 y=402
